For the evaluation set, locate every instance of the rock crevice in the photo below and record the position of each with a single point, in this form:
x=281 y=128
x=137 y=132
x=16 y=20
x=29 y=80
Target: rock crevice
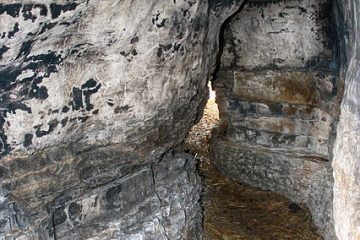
x=279 y=93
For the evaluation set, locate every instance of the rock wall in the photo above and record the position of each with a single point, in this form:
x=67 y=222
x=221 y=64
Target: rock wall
x=92 y=95
x=346 y=163
x=279 y=93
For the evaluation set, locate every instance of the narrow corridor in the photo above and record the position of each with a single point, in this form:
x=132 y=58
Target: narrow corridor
x=234 y=211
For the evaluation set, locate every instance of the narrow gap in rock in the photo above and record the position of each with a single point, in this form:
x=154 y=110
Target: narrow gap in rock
x=236 y=211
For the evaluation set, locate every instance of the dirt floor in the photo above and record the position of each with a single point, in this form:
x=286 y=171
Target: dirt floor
x=234 y=211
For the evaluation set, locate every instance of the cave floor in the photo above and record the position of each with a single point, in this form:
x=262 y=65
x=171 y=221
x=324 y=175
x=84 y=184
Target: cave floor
x=234 y=211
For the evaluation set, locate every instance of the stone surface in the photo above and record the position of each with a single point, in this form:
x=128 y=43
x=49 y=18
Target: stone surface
x=92 y=95
x=279 y=93
x=346 y=163
x=305 y=180
x=281 y=34
x=154 y=201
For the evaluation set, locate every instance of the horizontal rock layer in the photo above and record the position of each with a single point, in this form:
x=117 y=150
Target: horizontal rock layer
x=92 y=95
x=153 y=201
x=279 y=92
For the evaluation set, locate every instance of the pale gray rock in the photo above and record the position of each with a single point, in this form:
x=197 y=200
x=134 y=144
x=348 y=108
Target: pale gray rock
x=346 y=163
x=92 y=95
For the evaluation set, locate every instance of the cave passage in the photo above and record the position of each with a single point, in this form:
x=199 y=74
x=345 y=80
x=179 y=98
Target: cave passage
x=236 y=211
x=278 y=93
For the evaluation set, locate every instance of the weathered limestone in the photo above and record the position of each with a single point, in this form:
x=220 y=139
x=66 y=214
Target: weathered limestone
x=92 y=95
x=346 y=163
x=279 y=97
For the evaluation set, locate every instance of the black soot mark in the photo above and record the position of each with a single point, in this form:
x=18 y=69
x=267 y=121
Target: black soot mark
x=51 y=127
x=28 y=139
x=81 y=96
x=56 y=9
x=10 y=9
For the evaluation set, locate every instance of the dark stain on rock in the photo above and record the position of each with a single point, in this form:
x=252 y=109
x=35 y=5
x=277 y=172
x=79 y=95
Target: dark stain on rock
x=121 y=109
x=69 y=6
x=27 y=139
x=27 y=12
x=43 y=9
x=134 y=40
x=134 y=52
x=51 y=127
x=278 y=61
x=155 y=18
x=74 y=210
x=302 y=10
x=72 y=119
x=166 y=47
x=15 y=30
x=65 y=109
x=42 y=65
x=162 y=49
x=159 y=52
x=176 y=47
x=83 y=119
x=64 y=122
x=161 y=24
x=184 y=11
x=91 y=83
x=56 y=9
x=11 y=9
x=283 y=14
x=3 y=50
x=59 y=216
x=50 y=58
x=77 y=102
x=38 y=92
x=25 y=48
x=89 y=88
x=47 y=26
x=66 y=24
x=125 y=54
x=13 y=106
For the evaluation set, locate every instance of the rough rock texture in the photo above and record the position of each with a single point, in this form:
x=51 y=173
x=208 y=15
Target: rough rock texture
x=279 y=98
x=346 y=163
x=92 y=94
